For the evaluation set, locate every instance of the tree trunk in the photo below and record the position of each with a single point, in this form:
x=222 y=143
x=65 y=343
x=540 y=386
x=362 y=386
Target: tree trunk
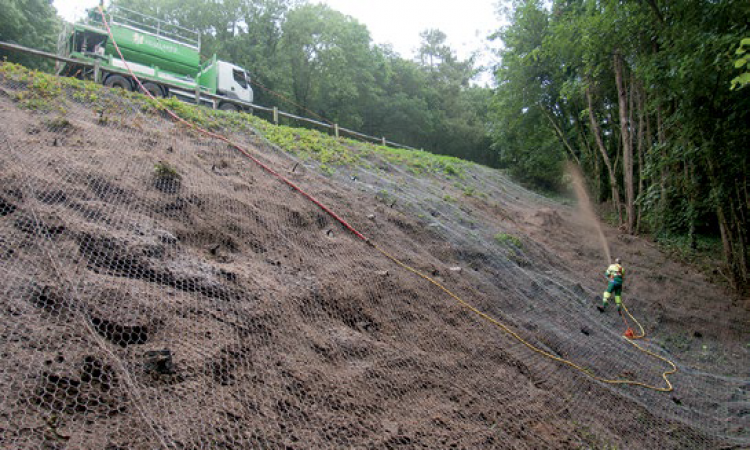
x=615 y=138
x=747 y=193
x=733 y=227
x=627 y=142
x=735 y=253
x=641 y=175
x=661 y=139
x=561 y=135
x=590 y=153
x=740 y=225
x=596 y=129
x=690 y=189
x=725 y=239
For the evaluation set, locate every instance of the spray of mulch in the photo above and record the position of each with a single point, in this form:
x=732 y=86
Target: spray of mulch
x=585 y=208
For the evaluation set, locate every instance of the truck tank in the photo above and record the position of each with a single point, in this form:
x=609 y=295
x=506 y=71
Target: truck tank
x=154 y=42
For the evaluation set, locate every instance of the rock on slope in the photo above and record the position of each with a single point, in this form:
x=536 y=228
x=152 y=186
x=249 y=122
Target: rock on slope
x=161 y=290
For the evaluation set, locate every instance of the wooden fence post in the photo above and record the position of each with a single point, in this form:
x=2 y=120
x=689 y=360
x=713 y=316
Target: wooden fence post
x=384 y=141
x=197 y=95
x=336 y=130
x=276 y=115
x=97 y=73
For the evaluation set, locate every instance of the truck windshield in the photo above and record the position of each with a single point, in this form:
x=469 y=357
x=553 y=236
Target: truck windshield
x=239 y=77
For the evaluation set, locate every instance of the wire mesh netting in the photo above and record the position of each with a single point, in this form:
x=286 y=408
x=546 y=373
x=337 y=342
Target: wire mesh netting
x=160 y=290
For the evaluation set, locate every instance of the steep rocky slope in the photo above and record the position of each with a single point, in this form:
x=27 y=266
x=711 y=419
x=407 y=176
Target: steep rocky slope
x=160 y=290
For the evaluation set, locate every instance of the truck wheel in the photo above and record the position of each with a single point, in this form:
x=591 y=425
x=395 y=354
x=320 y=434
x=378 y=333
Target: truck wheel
x=231 y=107
x=117 y=81
x=153 y=88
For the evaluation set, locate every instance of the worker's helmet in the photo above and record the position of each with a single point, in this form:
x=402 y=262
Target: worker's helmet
x=617 y=261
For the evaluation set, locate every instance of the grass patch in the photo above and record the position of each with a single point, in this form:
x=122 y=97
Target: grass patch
x=310 y=144
x=326 y=170
x=508 y=239
x=57 y=124
x=678 y=342
x=164 y=171
x=419 y=162
x=166 y=178
x=386 y=198
x=470 y=191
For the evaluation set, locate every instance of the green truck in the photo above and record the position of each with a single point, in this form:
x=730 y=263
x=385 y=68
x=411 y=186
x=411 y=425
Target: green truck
x=164 y=56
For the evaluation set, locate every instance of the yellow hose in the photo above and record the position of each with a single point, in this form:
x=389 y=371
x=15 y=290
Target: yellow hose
x=567 y=362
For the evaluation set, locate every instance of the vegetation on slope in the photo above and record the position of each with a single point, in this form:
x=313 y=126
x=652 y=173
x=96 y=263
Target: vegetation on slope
x=44 y=92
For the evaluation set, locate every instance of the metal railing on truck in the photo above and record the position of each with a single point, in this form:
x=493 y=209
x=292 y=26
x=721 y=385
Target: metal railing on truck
x=215 y=99
x=152 y=25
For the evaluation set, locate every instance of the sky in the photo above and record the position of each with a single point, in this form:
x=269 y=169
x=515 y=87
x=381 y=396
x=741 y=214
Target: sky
x=467 y=23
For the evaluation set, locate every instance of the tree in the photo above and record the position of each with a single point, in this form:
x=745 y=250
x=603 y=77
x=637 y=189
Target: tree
x=31 y=23
x=525 y=104
x=330 y=63
x=433 y=51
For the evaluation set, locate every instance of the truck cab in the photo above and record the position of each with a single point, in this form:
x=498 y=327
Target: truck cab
x=234 y=82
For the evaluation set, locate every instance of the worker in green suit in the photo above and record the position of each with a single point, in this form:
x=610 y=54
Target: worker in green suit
x=616 y=275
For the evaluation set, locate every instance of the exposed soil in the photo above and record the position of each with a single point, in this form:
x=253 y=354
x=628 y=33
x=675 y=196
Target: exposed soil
x=221 y=309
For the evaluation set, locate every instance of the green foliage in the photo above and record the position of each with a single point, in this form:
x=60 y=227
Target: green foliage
x=449 y=169
x=164 y=171
x=329 y=64
x=522 y=136
x=39 y=90
x=57 y=124
x=743 y=62
x=31 y=23
x=701 y=251
x=507 y=239
x=44 y=92
x=420 y=162
x=469 y=191
x=558 y=99
x=386 y=197
x=326 y=170
x=198 y=116
x=311 y=144
x=89 y=94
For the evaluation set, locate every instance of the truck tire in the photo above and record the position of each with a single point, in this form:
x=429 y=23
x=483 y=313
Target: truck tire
x=118 y=81
x=231 y=107
x=154 y=89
